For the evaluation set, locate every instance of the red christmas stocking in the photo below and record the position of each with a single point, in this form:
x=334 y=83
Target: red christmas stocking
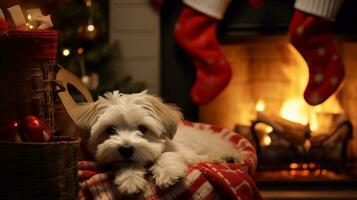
x=310 y=33
x=195 y=32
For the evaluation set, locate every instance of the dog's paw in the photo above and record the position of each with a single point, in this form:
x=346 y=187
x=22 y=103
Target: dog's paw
x=167 y=176
x=166 y=182
x=130 y=185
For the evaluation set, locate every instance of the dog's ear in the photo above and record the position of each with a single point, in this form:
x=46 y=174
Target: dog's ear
x=89 y=116
x=93 y=110
x=169 y=114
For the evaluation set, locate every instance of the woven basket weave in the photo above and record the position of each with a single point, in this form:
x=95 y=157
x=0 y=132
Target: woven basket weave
x=27 y=61
x=46 y=170
x=39 y=170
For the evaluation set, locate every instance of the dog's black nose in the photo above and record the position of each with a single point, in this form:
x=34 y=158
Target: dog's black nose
x=126 y=152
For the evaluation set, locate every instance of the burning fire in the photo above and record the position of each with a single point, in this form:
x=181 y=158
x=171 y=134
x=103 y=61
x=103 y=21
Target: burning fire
x=297 y=110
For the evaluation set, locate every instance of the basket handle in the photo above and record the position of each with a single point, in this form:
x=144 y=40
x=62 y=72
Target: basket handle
x=74 y=109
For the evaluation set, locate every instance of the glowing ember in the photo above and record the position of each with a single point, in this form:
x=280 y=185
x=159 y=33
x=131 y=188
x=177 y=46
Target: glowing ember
x=312 y=165
x=305 y=172
x=317 y=172
x=305 y=166
x=292 y=172
x=323 y=172
x=294 y=165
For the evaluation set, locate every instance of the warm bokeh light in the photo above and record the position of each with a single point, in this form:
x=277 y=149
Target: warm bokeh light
x=305 y=172
x=317 y=172
x=324 y=172
x=293 y=172
x=269 y=129
x=80 y=51
x=307 y=144
x=305 y=166
x=88 y=3
x=260 y=106
x=90 y=27
x=66 y=52
x=294 y=165
x=266 y=140
x=312 y=165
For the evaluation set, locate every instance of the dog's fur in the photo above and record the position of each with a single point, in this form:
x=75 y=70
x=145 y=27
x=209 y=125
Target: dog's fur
x=150 y=128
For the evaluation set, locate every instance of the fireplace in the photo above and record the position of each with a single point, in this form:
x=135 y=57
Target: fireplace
x=304 y=151
x=264 y=102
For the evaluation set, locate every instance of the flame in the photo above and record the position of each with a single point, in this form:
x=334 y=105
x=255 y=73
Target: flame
x=295 y=110
x=313 y=122
x=294 y=165
x=260 y=106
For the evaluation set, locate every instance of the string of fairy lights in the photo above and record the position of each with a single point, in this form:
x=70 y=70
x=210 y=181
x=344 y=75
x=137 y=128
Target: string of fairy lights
x=91 y=80
x=90 y=28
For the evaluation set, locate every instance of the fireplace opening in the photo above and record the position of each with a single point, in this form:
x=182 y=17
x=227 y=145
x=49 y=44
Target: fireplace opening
x=264 y=102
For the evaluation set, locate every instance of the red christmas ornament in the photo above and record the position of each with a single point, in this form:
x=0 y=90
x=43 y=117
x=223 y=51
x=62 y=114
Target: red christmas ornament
x=11 y=132
x=34 y=130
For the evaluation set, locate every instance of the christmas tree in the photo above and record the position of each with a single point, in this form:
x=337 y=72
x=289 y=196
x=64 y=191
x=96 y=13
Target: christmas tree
x=83 y=46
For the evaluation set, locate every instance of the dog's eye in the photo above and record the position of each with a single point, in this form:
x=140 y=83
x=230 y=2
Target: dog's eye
x=142 y=128
x=111 y=130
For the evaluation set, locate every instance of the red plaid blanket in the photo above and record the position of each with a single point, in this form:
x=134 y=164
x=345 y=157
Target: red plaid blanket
x=203 y=181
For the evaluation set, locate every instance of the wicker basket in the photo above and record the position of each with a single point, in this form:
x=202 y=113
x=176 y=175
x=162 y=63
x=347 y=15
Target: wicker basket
x=27 y=61
x=39 y=170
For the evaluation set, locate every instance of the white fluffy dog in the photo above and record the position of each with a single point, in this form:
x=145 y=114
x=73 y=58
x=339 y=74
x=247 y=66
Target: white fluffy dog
x=137 y=134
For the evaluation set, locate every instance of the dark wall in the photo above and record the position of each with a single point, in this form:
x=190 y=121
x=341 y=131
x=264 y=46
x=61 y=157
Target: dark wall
x=274 y=18
x=177 y=72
